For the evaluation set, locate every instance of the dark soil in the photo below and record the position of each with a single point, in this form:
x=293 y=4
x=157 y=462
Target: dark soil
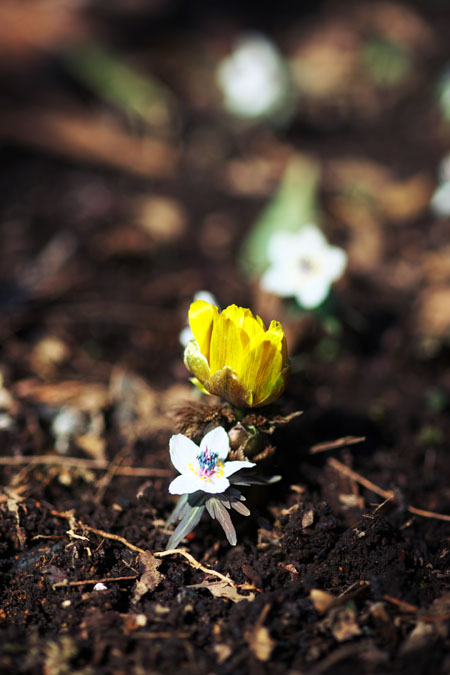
x=94 y=333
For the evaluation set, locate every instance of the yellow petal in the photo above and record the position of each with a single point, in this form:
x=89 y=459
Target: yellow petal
x=202 y=316
x=252 y=325
x=277 y=387
x=248 y=324
x=195 y=362
x=262 y=367
x=276 y=332
x=226 y=345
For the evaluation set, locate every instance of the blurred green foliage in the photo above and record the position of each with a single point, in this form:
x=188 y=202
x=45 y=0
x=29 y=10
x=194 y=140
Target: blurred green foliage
x=294 y=204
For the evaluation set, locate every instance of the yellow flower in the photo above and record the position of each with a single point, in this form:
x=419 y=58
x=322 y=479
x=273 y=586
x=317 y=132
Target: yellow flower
x=233 y=356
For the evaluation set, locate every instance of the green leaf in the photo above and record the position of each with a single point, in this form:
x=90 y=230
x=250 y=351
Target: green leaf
x=293 y=205
x=111 y=78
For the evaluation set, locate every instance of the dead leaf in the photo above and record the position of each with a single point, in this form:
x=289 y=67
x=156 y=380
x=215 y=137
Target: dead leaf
x=288 y=567
x=404 y=200
x=421 y=636
x=322 y=600
x=150 y=579
x=432 y=312
x=383 y=623
x=47 y=355
x=92 y=444
x=345 y=627
x=260 y=642
x=223 y=652
x=307 y=518
x=133 y=622
x=435 y=266
x=349 y=500
x=161 y=217
x=81 y=395
x=221 y=589
x=55 y=576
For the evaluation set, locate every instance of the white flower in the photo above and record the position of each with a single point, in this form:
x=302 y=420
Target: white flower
x=444 y=169
x=186 y=334
x=440 y=200
x=254 y=78
x=303 y=265
x=203 y=468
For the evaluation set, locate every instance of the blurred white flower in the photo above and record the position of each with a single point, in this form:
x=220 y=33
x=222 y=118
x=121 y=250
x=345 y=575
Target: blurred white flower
x=444 y=169
x=302 y=265
x=440 y=200
x=254 y=79
x=203 y=468
x=186 y=333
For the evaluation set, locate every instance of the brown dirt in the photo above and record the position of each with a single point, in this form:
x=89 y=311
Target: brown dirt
x=114 y=307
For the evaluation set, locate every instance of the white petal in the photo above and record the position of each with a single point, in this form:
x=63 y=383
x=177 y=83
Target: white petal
x=186 y=335
x=183 y=451
x=217 y=441
x=207 y=297
x=185 y=484
x=231 y=467
x=215 y=485
x=313 y=294
x=334 y=262
x=310 y=239
x=279 y=247
x=440 y=201
x=277 y=280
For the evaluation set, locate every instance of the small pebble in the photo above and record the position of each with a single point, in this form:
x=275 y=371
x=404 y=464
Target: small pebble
x=100 y=587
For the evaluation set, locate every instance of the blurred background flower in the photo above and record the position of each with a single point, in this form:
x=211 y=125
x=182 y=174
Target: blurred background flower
x=254 y=79
x=302 y=265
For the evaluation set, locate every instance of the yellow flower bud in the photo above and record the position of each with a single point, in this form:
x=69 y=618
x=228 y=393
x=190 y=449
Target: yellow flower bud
x=233 y=356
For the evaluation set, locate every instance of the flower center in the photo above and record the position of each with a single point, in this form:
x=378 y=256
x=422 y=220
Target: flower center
x=208 y=463
x=307 y=266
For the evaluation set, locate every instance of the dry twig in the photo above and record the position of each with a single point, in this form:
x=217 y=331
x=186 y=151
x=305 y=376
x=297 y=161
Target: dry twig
x=86 y=582
x=386 y=494
x=338 y=443
x=159 y=554
x=80 y=463
x=195 y=564
x=114 y=466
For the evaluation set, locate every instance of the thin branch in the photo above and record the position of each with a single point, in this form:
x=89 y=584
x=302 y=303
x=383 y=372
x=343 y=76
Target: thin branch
x=114 y=466
x=80 y=463
x=114 y=537
x=86 y=582
x=342 y=468
x=159 y=554
x=404 y=606
x=338 y=443
x=194 y=563
x=107 y=535
x=428 y=514
x=386 y=494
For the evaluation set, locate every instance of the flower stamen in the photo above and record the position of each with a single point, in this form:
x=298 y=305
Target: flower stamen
x=208 y=463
